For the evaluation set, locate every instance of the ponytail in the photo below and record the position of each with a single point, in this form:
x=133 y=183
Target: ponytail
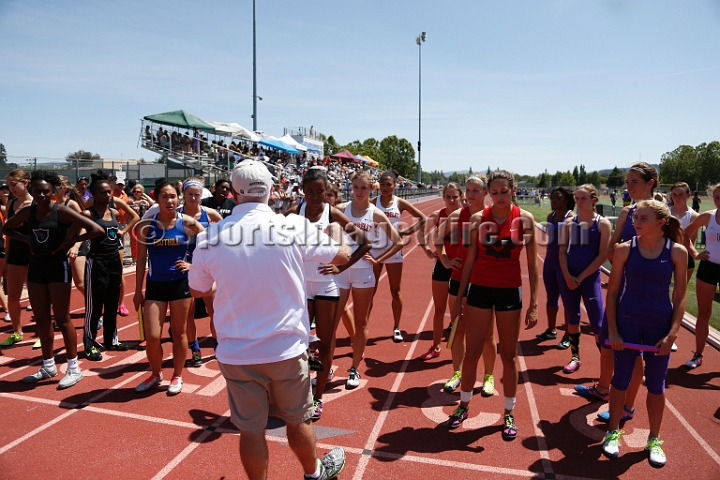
x=673 y=229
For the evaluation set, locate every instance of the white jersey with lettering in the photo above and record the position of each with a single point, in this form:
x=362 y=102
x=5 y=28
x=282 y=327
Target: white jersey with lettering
x=311 y=268
x=383 y=242
x=712 y=238
x=366 y=223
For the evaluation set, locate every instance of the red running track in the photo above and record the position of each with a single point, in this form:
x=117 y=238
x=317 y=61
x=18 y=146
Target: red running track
x=391 y=426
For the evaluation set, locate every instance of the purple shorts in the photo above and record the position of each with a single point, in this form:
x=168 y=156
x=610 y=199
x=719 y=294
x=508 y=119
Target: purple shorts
x=656 y=366
x=591 y=294
x=553 y=279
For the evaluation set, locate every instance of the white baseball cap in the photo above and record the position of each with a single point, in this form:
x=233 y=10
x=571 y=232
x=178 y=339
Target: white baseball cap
x=251 y=175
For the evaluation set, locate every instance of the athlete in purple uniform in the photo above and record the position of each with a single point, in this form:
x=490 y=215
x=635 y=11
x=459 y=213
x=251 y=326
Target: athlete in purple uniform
x=641 y=181
x=641 y=313
x=563 y=204
x=588 y=238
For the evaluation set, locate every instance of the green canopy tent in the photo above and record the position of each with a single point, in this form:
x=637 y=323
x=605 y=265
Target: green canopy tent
x=180 y=118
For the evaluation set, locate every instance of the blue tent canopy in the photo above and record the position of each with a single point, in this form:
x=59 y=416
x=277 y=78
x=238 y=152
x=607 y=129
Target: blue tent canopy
x=279 y=145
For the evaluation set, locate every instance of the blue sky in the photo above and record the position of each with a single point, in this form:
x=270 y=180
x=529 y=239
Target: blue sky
x=526 y=86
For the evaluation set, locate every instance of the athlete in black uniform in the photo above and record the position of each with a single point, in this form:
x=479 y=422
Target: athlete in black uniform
x=50 y=225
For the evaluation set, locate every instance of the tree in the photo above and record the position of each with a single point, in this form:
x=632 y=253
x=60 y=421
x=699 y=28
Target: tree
x=3 y=155
x=563 y=178
x=680 y=165
x=487 y=174
x=331 y=146
x=594 y=178
x=82 y=155
x=543 y=181
x=576 y=175
x=399 y=154
x=582 y=177
x=615 y=179
x=470 y=172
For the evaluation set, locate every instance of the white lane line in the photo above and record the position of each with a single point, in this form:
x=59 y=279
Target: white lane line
x=145 y=418
x=375 y=433
x=539 y=435
x=693 y=432
x=190 y=448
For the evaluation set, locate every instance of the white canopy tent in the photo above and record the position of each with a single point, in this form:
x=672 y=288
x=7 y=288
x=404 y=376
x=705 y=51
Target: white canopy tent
x=234 y=130
x=294 y=143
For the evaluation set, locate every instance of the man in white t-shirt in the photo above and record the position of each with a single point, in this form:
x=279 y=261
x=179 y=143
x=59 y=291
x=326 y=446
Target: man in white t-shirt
x=263 y=332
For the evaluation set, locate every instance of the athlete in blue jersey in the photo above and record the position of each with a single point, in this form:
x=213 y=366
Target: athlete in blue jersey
x=562 y=202
x=164 y=240
x=588 y=236
x=639 y=311
x=192 y=194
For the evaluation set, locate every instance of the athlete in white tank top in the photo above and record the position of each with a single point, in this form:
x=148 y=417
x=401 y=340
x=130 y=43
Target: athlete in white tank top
x=367 y=225
x=712 y=238
x=311 y=268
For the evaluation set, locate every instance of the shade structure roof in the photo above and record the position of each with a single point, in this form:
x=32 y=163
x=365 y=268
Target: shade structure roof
x=345 y=155
x=180 y=118
x=293 y=143
x=234 y=129
x=277 y=144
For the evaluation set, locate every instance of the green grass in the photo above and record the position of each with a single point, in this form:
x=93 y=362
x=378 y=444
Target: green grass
x=541 y=212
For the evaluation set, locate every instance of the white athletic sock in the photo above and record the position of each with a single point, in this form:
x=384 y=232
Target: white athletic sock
x=509 y=403
x=318 y=470
x=49 y=363
x=72 y=363
x=465 y=397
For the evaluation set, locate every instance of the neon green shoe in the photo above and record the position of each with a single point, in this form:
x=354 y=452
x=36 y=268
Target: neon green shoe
x=454 y=382
x=12 y=339
x=657 y=456
x=37 y=344
x=488 y=388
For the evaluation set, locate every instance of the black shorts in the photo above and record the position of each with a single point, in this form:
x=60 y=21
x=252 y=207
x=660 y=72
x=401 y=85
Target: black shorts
x=49 y=272
x=84 y=249
x=440 y=273
x=454 y=287
x=691 y=261
x=19 y=254
x=708 y=272
x=167 y=291
x=501 y=299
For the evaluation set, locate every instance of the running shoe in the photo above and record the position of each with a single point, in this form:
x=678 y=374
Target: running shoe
x=330 y=376
x=449 y=327
x=37 y=344
x=397 y=336
x=148 y=383
x=573 y=366
x=72 y=376
x=100 y=323
x=29 y=308
x=454 y=382
x=510 y=431
x=41 y=374
x=7 y=317
x=123 y=311
x=592 y=393
x=488 y=388
x=430 y=354
x=118 y=347
x=353 y=379
x=331 y=465
x=176 y=385
x=317 y=409
x=626 y=415
x=611 y=443
x=458 y=416
x=547 y=335
x=694 y=362
x=12 y=339
x=314 y=364
x=196 y=359
x=674 y=347
x=656 y=455
x=564 y=343
x=93 y=354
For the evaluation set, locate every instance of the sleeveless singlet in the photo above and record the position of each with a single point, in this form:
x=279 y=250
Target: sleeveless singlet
x=712 y=238
x=645 y=299
x=498 y=260
x=204 y=220
x=165 y=247
x=46 y=236
x=18 y=250
x=456 y=246
x=628 y=230
x=393 y=213
x=107 y=244
x=685 y=219
x=584 y=246
x=367 y=225
x=311 y=268
x=552 y=251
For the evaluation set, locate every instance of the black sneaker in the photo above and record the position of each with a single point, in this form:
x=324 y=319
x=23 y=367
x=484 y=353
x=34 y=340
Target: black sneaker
x=93 y=354
x=118 y=347
x=315 y=364
x=331 y=464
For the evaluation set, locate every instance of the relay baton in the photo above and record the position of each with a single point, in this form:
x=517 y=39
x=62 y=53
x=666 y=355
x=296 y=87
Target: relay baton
x=636 y=346
x=453 y=331
x=141 y=327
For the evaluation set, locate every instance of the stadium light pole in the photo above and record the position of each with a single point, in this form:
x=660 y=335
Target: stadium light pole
x=254 y=73
x=419 y=40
